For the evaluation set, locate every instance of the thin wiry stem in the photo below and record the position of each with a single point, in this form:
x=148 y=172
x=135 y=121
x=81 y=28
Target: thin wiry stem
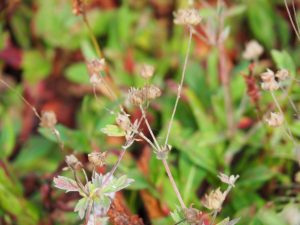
x=165 y=163
x=290 y=101
x=295 y=15
x=171 y=178
x=180 y=86
x=149 y=127
x=289 y=132
x=291 y=19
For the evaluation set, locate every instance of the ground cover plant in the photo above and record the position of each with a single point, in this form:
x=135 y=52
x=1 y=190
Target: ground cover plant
x=149 y=112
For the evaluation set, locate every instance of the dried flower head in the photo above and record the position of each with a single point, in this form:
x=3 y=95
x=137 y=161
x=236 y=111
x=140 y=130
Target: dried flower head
x=78 y=7
x=48 y=119
x=123 y=121
x=267 y=76
x=214 y=200
x=96 y=66
x=192 y=215
x=95 y=79
x=275 y=119
x=269 y=83
x=253 y=50
x=147 y=71
x=187 y=17
x=282 y=74
x=97 y=158
x=136 y=96
x=73 y=162
x=151 y=92
x=230 y=180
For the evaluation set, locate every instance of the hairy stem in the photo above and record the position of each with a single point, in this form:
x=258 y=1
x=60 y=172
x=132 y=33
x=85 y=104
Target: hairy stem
x=180 y=86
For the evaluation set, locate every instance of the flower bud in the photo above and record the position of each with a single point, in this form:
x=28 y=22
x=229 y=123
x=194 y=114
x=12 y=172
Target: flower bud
x=48 y=119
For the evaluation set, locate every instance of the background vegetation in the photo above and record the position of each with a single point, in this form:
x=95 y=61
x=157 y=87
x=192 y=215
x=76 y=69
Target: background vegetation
x=43 y=49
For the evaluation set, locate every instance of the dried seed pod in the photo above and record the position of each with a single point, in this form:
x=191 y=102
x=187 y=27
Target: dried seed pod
x=96 y=66
x=123 y=121
x=147 y=71
x=73 y=162
x=253 y=50
x=151 y=92
x=48 y=119
x=187 y=17
x=267 y=76
x=136 y=96
x=282 y=74
x=214 y=200
x=97 y=158
x=275 y=119
x=191 y=215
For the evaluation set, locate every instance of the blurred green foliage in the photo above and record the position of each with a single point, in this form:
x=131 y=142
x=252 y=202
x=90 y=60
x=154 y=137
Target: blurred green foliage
x=263 y=157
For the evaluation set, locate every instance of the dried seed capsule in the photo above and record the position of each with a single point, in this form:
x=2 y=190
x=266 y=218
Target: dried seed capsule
x=187 y=17
x=214 y=200
x=151 y=92
x=97 y=158
x=96 y=66
x=48 y=119
x=253 y=50
x=73 y=162
x=147 y=71
x=282 y=74
x=275 y=119
x=135 y=96
x=123 y=121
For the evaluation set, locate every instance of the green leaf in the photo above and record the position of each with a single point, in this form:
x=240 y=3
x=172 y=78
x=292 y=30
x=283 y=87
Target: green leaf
x=284 y=61
x=74 y=139
x=36 y=66
x=113 y=130
x=7 y=137
x=77 y=73
x=260 y=15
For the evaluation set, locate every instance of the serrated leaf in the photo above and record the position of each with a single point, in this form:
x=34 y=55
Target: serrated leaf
x=65 y=183
x=81 y=207
x=113 y=130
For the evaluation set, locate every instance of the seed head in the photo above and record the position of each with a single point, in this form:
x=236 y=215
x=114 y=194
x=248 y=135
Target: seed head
x=191 y=215
x=282 y=74
x=95 y=79
x=123 y=121
x=73 y=162
x=187 y=17
x=48 y=119
x=214 y=200
x=77 y=7
x=136 y=96
x=147 y=71
x=230 y=180
x=269 y=83
x=95 y=66
x=253 y=50
x=151 y=92
x=275 y=119
x=97 y=158
x=267 y=76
